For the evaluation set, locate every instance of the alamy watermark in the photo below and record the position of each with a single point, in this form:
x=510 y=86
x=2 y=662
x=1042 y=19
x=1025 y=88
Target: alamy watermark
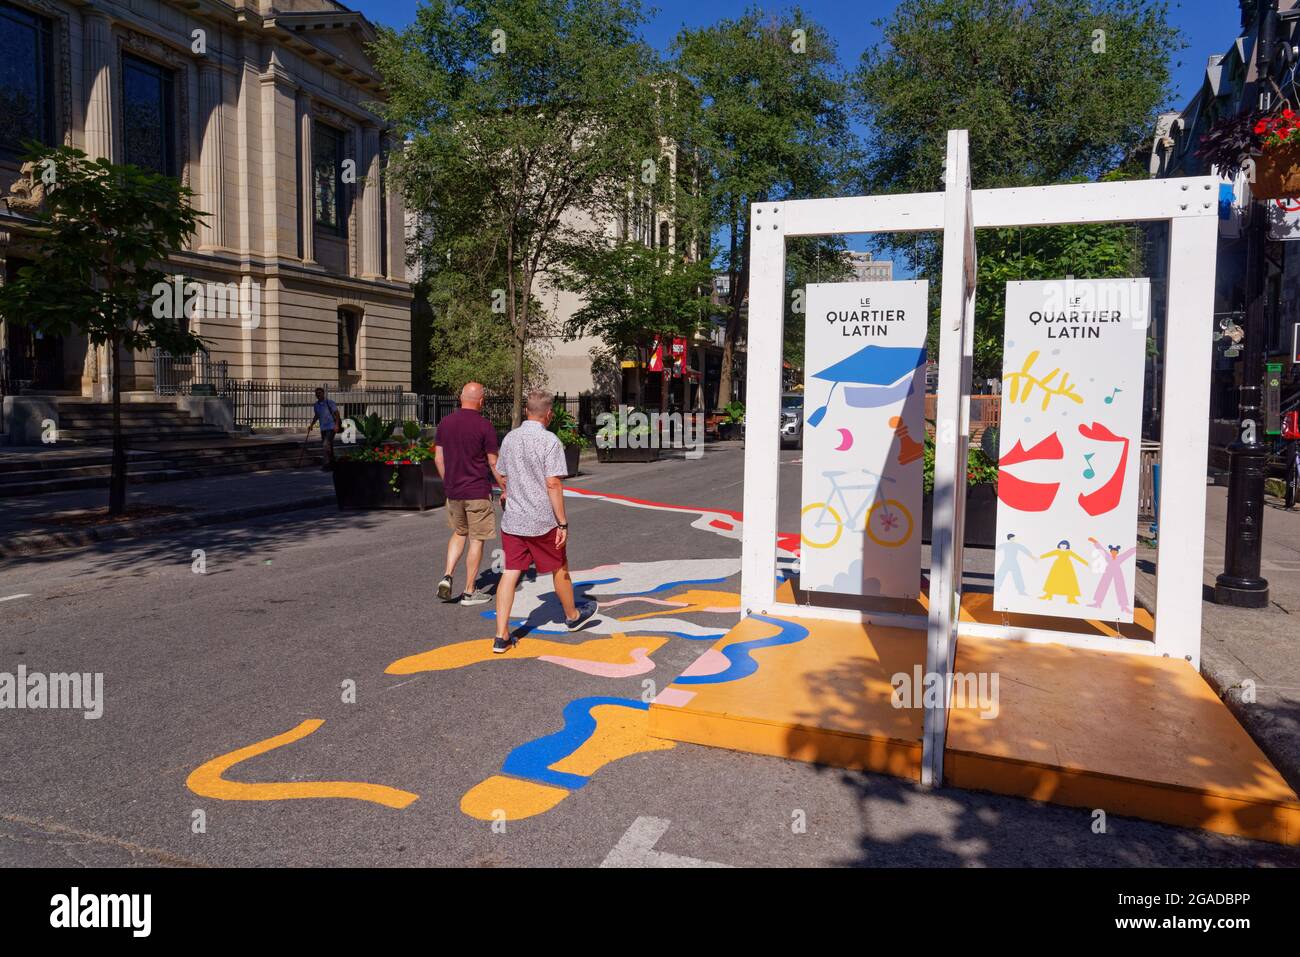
x=1069 y=300
x=928 y=689
x=36 y=691
x=209 y=300
x=74 y=909
x=631 y=429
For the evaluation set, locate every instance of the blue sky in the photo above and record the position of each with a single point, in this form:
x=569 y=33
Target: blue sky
x=1208 y=25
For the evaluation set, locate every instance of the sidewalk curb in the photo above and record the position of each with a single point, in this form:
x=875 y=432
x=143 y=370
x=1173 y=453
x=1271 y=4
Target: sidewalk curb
x=39 y=543
x=1254 y=721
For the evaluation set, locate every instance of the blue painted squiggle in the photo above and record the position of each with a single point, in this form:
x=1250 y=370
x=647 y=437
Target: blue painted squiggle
x=533 y=760
x=742 y=663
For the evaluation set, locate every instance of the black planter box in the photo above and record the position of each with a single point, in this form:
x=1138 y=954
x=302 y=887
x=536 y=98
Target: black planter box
x=615 y=454
x=571 y=456
x=981 y=516
x=365 y=485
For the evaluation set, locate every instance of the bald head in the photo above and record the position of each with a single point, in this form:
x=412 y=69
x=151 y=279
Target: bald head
x=471 y=397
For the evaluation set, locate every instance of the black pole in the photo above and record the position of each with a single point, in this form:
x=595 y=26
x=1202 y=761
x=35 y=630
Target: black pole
x=1241 y=584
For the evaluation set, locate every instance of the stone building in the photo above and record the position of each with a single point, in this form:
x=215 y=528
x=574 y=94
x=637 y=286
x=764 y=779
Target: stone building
x=265 y=109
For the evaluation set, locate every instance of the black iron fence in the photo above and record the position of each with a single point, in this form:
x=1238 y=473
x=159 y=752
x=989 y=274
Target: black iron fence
x=178 y=375
x=277 y=405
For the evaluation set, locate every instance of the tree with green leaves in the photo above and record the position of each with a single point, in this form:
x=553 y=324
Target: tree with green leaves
x=525 y=121
x=773 y=125
x=809 y=259
x=98 y=244
x=633 y=294
x=1051 y=92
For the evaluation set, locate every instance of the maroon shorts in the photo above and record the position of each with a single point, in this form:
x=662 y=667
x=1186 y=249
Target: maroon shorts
x=540 y=550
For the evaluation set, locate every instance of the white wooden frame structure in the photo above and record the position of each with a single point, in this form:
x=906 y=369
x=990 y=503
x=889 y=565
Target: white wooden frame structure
x=1188 y=205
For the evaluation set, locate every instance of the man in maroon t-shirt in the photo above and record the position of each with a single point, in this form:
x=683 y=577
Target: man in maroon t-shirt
x=466 y=455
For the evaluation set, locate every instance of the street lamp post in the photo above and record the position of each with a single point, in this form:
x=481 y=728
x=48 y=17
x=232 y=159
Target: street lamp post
x=1241 y=583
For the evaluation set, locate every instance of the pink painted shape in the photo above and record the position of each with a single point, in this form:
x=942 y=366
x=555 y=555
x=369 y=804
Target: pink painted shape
x=674 y=697
x=652 y=601
x=641 y=663
x=710 y=663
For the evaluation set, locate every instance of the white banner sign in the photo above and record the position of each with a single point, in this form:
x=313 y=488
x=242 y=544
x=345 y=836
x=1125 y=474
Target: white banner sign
x=863 y=438
x=1069 y=447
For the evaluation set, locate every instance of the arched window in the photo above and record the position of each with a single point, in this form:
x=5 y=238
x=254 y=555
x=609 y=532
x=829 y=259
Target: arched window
x=663 y=234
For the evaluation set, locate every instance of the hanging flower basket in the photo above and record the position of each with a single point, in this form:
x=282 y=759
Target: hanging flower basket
x=1277 y=167
x=1277 y=172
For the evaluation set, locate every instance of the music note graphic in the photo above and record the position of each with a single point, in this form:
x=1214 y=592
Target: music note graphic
x=1090 y=472
x=1111 y=398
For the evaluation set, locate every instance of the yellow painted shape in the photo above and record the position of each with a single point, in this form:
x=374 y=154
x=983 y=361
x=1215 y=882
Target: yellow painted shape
x=206 y=780
x=612 y=649
x=511 y=799
x=693 y=600
x=620 y=732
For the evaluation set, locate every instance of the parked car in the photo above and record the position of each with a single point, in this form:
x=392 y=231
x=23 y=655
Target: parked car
x=792 y=420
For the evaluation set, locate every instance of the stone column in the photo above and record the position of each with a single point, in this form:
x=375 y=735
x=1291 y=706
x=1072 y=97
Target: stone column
x=307 y=194
x=371 y=197
x=212 y=154
x=101 y=70
x=100 y=59
x=396 y=238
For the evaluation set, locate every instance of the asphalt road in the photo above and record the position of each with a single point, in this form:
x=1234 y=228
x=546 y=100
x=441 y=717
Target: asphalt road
x=290 y=609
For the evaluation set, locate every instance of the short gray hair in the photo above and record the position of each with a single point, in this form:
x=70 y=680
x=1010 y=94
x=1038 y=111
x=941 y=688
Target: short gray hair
x=539 y=403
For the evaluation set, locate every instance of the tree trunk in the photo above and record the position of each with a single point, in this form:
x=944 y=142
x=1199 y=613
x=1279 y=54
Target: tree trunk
x=517 y=389
x=517 y=337
x=738 y=269
x=117 y=478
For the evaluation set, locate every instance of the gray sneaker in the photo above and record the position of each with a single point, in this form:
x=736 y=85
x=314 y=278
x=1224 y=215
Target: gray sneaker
x=444 y=588
x=477 y=597
x=586 y=611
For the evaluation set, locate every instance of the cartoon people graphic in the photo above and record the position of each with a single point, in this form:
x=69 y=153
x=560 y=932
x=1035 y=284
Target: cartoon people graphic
x=1113 y=576
x=1061 y=579
x=1009 y=554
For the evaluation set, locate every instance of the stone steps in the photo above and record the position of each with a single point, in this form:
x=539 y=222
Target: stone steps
x=163 y=444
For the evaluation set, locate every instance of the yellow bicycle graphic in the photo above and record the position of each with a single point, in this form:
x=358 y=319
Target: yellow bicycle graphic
x=888 y=522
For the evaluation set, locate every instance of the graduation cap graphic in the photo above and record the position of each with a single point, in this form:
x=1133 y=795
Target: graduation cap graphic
x=873 y=376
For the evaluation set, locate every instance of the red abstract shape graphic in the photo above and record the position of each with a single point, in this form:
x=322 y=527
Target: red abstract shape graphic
x=1048 y=448
x=1029 y=496
x=1026 y=496
x=1107 y=497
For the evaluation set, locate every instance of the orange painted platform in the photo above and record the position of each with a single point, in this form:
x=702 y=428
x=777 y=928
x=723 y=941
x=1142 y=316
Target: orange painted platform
x=1130 y=734
x=824 y=699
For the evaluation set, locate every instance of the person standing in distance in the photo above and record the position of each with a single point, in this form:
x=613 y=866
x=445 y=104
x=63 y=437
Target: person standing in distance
x=465 y=453
x=534 y=528
x=327 y=413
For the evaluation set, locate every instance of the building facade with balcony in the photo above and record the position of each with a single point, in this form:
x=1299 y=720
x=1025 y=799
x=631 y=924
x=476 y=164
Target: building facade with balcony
x=1177 y=138
x=264 y=109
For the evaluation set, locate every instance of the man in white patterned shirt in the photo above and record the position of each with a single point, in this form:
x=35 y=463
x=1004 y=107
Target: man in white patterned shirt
x=534 y=529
